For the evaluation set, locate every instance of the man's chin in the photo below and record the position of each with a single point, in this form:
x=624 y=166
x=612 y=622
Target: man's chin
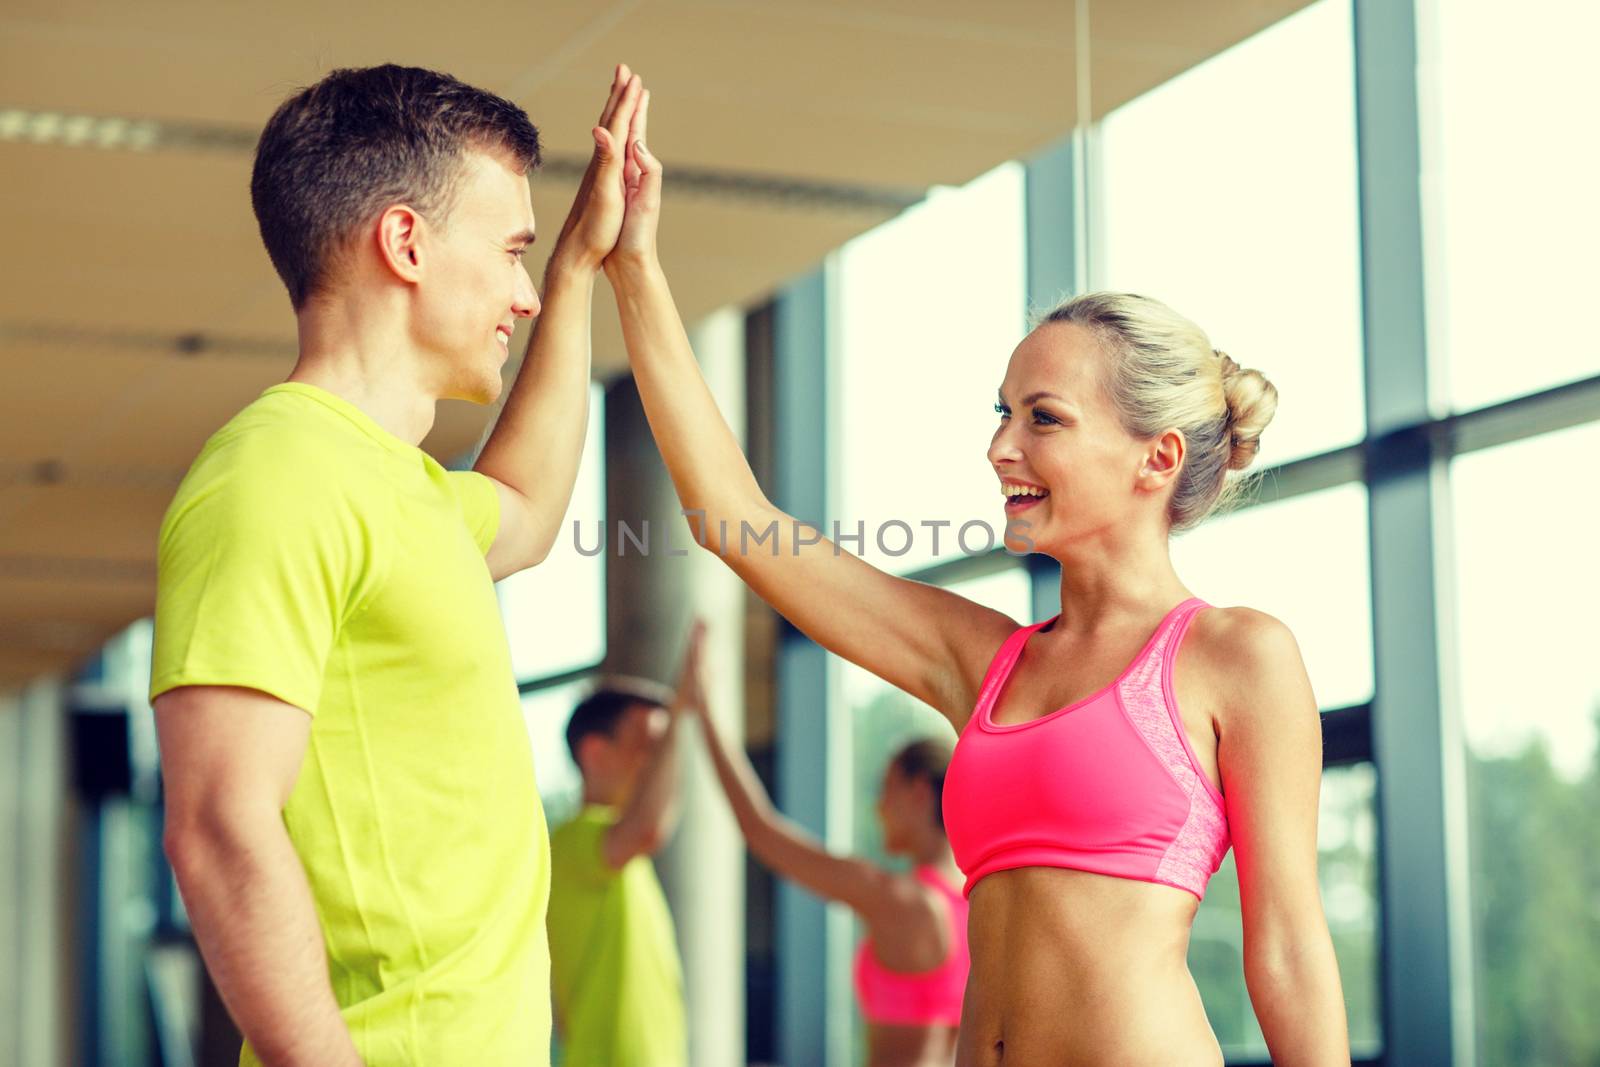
x=482 y=391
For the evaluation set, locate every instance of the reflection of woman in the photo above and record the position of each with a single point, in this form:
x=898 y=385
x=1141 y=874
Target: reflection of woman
x=1109 y=756
x=911 y=970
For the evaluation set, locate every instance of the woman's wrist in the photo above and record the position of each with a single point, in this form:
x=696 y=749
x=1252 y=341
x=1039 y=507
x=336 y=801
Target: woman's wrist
x=630 y=267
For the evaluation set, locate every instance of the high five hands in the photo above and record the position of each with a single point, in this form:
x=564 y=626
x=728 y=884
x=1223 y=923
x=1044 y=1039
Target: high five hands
x=690 y=694
x=614 y=213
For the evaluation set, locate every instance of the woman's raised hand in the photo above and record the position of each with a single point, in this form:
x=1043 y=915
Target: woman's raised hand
x=636 y=245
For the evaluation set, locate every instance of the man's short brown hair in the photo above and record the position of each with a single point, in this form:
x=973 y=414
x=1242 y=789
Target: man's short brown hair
x=335 y=155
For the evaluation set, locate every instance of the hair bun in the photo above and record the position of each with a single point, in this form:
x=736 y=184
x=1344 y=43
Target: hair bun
x=1252 y=401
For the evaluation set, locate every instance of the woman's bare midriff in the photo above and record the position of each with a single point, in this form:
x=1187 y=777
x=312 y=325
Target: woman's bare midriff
x=910 y=1046
x=1071 y=969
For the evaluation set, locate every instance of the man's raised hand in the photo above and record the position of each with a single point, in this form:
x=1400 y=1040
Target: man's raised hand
x=690 y=695
x=593 y=224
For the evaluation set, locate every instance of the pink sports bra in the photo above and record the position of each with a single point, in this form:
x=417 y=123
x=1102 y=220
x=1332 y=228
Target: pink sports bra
x=1107 y=785
x=926 y=998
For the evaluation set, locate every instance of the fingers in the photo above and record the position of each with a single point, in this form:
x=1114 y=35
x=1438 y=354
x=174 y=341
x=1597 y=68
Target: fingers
x=622 y=114
x=619 y=83
x=630 y=170
x=648 y=192
x=641 y=119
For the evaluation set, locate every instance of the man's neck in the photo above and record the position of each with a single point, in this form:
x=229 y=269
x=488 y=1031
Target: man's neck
x=372 y=367
x=595 y=794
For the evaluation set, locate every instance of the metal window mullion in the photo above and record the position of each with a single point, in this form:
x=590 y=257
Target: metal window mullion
x=1422 y=964
x=809 y=731
x=1055 y=221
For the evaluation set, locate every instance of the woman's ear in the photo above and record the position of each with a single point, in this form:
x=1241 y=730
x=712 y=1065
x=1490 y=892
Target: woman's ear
x=1163 y=459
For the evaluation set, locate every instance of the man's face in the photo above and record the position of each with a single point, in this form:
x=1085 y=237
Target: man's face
x=476 y=286
x=638 y=735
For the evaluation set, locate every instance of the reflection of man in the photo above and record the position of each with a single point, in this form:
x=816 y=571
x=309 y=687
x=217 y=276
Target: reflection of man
x=350 y=800
x=614 y=966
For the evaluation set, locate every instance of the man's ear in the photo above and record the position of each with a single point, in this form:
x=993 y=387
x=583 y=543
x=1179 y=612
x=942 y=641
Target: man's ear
x=399 y=241
x=590 y=752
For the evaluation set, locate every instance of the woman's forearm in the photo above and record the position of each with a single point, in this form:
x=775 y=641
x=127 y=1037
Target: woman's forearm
x=752 y=807
x=707 y=464
x=1299 y=1002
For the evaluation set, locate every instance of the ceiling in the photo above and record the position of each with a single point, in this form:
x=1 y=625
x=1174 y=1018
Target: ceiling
x=140 y=311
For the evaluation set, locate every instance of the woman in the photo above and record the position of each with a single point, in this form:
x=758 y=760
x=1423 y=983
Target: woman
x=1109 y=756
x=911 y=970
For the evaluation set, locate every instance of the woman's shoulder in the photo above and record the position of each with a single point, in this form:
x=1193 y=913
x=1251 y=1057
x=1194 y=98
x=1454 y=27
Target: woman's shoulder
x=1245 y=655
x=1239 y=632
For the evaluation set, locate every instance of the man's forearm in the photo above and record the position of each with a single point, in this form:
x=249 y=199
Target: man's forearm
x=538 y=441
x=253 y=917
x=654 y=804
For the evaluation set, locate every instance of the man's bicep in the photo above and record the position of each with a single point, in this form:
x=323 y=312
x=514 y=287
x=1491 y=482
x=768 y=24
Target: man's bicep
x=511 y=530
x=224 y=747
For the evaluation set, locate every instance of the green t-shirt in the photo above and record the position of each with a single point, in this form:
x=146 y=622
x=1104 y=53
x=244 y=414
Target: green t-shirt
x=614 y=964
x=314 y=556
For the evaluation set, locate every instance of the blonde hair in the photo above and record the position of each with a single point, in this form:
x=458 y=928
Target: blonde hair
x=1161 y=374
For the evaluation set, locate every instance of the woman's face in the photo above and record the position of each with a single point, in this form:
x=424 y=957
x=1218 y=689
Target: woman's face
x=900 y=804
x=1065 y=463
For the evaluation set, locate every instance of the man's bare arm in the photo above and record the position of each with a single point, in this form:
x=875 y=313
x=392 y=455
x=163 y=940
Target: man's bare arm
x=229 y=760
x=651 y=813
x=534 y=451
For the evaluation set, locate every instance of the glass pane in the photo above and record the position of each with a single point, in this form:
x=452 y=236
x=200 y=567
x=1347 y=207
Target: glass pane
x=1530 y=699
x=546 y=712
x=555 y=613
x=930 y=306
x=1348 y=872
x=1304 y=561
x=883 y=719
x=1509 y=181
x=1230 y=194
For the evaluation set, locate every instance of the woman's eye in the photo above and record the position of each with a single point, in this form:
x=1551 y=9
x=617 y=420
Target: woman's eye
x=1044 y=419
x=1003 y=411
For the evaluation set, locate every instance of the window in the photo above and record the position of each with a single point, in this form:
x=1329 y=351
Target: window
x=555 y=620
x=1509 y=184
x=554 y=613
x=1230 y=194
x=882 y=719
x=1305 y=561
x=546 y=711
x=930 y=306
x=1526 y=588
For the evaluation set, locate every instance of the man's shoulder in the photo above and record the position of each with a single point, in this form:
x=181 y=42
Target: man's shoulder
x=277 y=449
x=577 y=842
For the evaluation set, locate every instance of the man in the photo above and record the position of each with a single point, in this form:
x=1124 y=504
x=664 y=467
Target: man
x=614 y=966
x=351 y=809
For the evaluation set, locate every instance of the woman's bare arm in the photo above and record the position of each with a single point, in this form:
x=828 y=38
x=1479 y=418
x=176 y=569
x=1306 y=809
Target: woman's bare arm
x=1270 y=756
x=786 y=847
x=927 y=641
